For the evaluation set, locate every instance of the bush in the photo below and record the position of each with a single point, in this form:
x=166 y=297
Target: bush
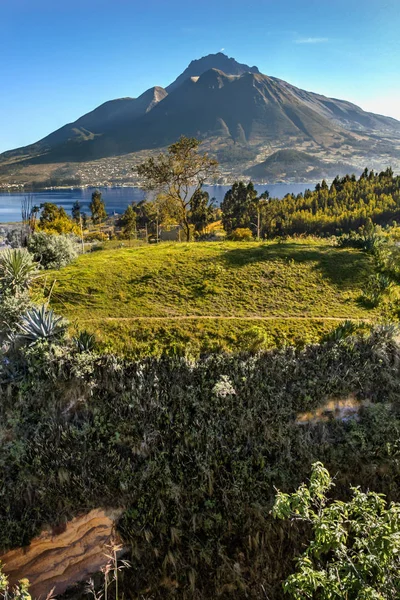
x=96 y=236
x=241 y=234
x=17 y=592
x=255 y=339
x=17 y=271
x=356 y=546
x=53 y=251
x=377 y=286
x=193 y=451
x=11 y=310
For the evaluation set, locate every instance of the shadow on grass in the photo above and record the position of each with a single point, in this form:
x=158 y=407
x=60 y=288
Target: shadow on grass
x=342 y=268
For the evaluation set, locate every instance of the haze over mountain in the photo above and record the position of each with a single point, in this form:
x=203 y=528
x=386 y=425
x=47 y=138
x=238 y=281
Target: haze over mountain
x=241 y=115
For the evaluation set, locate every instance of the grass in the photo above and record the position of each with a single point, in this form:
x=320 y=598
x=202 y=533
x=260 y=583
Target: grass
x=211 y=295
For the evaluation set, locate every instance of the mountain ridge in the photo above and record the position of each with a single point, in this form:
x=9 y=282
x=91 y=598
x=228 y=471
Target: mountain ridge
x=236 y=108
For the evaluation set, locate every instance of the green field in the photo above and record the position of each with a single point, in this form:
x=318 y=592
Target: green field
x=211 y=296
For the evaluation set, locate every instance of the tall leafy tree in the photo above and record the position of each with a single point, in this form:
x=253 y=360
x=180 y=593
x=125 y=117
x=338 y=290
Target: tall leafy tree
x=76 y=211
x=98 y=208
x=237 y=206
x=128 y=221
x=202 y=210
x=176 y=176
x=51 y=212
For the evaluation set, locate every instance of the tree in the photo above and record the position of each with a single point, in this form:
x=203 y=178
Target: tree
x=259 y=205
x=97 y=208
x=202 y=210
x=84 y=220
x=76 y=211
x=51 y=212
x=128 y=221
x=176 y=176
x=236 y=206
x=355 y=553
x=54 y=219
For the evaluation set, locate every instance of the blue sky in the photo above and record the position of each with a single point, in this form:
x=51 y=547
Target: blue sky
x=62 y=58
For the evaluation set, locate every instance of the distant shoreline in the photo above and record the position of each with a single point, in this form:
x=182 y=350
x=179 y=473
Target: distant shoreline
x=29 y=189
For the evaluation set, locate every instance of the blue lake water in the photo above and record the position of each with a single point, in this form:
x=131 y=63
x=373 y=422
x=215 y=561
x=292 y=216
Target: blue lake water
x=117 y=198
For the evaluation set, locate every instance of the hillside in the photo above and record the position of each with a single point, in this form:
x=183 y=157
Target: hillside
x=211 y=295
x=232 y=107
x=298 y=165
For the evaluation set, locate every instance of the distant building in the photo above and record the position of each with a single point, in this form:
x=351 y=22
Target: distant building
x=172 y=234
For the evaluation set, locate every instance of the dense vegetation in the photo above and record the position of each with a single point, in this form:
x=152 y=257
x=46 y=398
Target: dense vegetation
x=192 y=452
x=344 y=206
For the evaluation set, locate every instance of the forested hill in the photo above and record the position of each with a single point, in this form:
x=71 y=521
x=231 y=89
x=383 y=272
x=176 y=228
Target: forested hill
x=344 y=206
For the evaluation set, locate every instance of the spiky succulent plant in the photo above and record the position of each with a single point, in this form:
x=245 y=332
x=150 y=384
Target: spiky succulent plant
x=40 y=324
x=17 y=269
x=85 y=341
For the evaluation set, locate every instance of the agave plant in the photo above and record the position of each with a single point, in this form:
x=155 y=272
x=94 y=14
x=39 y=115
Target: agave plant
x=39 y=324
x=345 y=329
x=17 y=269
x=85 y=341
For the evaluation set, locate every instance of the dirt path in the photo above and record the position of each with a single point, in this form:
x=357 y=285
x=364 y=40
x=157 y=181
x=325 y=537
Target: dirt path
x=229 y=317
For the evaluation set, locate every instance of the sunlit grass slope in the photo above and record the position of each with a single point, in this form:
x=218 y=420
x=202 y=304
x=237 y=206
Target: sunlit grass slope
x=212 y=295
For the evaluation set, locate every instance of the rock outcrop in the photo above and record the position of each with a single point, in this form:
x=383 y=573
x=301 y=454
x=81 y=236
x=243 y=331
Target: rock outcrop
x=57 y=559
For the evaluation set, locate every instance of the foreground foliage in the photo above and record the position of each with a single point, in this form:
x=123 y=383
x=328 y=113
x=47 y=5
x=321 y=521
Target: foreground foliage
x=355 y=550
x=193 y=452
x=17 y=592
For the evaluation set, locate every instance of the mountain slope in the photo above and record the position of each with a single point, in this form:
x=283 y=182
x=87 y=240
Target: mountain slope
x=299 y=165
x=249 y=108
x=344 y=113
x=95 y=123
x=263 y=111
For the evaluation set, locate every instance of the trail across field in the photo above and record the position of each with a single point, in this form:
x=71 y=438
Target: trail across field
x=232 y=318
x=213 y=296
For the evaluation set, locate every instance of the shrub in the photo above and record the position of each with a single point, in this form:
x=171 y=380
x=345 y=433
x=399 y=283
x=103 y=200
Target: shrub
x=17 y=592
x=96 y=236
x=241 y=234
x=12 y=309
x=53 y=251
x=356 y=546
x=378 y=284
x=255 y=339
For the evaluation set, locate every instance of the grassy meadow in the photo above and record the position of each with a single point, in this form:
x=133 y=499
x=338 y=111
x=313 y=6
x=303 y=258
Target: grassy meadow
x=212 y=296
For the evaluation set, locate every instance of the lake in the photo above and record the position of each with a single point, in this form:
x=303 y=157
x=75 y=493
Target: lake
x=118 y=198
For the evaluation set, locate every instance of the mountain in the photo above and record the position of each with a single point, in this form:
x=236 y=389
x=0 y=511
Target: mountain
x=293 y=164
x=238 y=112
x=218 y=61
x=96 y=123
x=250 y=108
